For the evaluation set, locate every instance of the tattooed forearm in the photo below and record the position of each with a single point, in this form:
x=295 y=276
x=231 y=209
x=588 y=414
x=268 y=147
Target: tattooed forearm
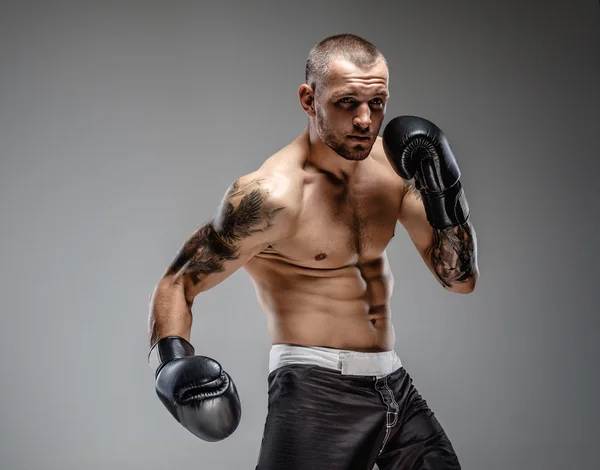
x=242 y=212
x=453 y=254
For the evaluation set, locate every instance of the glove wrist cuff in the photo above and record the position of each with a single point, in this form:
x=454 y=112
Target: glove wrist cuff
x=166 y=349
x=448 y=208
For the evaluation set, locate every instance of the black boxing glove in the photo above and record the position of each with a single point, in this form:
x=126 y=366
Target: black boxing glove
x=419 y=150
x=195 y=389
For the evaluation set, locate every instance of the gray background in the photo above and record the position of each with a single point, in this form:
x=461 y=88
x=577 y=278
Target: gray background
x=121 y=125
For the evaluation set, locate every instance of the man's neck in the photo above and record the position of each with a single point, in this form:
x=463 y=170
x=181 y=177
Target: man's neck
x=326 y=160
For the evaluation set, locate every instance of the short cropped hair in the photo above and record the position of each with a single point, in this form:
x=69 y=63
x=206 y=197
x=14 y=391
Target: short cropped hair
x=350 y=47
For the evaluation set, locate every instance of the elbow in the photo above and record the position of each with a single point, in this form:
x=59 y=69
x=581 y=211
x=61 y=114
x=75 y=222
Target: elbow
x=171 y=287
x=159 y=289
x=466 y=286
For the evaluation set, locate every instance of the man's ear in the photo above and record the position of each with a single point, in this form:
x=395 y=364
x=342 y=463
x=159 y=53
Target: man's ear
x=307 y=99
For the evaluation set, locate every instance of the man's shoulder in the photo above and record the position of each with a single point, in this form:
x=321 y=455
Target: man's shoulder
x=284 y=172
x=272 y=186
x=278 y=182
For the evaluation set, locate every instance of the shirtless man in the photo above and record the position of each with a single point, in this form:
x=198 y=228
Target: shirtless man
x=311 y=227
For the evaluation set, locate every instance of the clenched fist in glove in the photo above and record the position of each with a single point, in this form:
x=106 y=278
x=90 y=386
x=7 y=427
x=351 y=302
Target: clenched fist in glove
x=419 y=150
x=195 y=389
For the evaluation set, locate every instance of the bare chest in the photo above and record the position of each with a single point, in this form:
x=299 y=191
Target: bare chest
x=340 y=226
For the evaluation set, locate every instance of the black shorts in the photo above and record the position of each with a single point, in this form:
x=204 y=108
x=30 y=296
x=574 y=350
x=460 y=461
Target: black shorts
x=319 y=418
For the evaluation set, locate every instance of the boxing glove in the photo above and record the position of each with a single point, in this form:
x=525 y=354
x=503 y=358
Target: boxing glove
x=418 y=149
x=195 y=389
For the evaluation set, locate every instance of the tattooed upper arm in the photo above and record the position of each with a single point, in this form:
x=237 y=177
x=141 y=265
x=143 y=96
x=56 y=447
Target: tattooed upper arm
x=450 y=254
x=248 y=219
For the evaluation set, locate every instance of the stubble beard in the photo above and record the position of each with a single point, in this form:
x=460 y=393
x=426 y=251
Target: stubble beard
x=355 y=152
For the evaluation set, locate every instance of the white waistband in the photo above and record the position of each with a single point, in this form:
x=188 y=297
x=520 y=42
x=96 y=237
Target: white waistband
x=378 y=364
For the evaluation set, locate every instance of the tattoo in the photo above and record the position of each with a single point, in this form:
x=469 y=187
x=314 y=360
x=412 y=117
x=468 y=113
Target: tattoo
x=242 y=212
x=409 y=187
x=202 y=254
x=250 y=215
x=453 y=254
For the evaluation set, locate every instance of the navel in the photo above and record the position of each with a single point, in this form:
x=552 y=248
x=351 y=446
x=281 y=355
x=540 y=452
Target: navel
x=320 y=257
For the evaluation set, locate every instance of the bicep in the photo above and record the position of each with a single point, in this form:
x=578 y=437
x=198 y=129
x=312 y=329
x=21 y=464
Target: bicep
x=245 y=223
x=205 y=260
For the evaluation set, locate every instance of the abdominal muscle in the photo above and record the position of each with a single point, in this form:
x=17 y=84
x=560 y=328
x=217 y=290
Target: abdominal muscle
x=344 y=308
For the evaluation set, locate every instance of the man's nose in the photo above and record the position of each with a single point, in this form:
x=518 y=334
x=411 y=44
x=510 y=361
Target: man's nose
x=362 y=119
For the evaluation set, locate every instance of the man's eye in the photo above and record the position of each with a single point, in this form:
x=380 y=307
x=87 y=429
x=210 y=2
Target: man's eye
x=347 y=100
x=377 y=101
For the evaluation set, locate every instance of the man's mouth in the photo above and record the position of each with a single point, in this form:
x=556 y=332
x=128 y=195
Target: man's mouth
x=359 y=138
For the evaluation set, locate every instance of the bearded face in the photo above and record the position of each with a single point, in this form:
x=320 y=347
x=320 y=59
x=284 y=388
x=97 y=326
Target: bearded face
x=350 y=107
